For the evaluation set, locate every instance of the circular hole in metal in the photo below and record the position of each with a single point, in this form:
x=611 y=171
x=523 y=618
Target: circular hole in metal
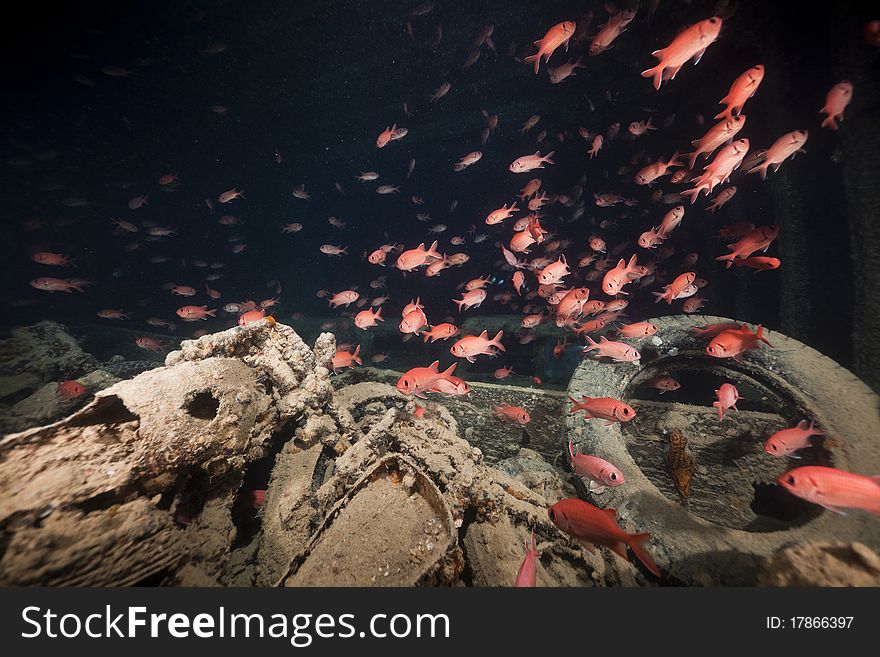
x=733 y=482
x=203 y=405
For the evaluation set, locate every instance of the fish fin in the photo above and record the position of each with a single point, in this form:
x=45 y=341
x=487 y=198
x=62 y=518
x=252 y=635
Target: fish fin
x=835 y=509
x=596 y=487
x=636 y=543
x=435 y=366
x=620 y=550
x=587 y=546
x=699 y=56
x=611 y=513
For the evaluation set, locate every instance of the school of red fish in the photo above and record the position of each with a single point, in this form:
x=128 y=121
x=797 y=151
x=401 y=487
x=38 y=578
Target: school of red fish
x=582 y=296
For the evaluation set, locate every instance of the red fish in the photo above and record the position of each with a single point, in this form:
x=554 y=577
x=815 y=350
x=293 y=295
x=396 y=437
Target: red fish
x=58 y=284
x=835 y=102
x=732 y=343
x=690 y=43
x=728 y=395
x=743 y=88
x=195 y=313
x=475 y=345
x=788 y=441
x=833 y=489
x=342 y=359
x=620 y=352
x=603 y=408
x=591 y=525
x=419 y=380
x=600 y=473
x=556 y=36
x=788 y=145
x=525 y=576
x=70 y=390
x=513 y=414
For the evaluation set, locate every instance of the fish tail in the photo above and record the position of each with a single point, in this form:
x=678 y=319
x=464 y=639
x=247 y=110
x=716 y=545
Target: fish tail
x=759 y=335
x=635 y=542
x=534 y=58
x=212 y=312
x=726 y=113
x=496 y=341
x=657 y=73
x=761 y=168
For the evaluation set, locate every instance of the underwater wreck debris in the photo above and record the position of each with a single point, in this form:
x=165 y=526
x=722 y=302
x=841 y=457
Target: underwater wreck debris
x=822 y=564
x=679 y=461
x=491 y=510
x=700 y=550
x=151 y=472
x=204 y=416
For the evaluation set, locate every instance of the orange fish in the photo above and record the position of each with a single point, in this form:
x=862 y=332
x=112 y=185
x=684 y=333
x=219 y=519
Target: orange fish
x=525 y=576
x=603 y=408
x=230 y=195
x=691 y=42
x=731 y=343
x=647 y=175
x=385 y=136
x=194 y=313
x=419 y=380
x=471 y=346
x=833 y=489
x=344 y=298
x=367 y=318
x=58 y=284
x=662 y=382
x=54 y=259
x=620 y=275
x=718 y=134
x=728 y=395
x=788 y=145
x=502 y=213
x=342 y=359
x=556 y=36
x=788 y=441
x=415 y=258
x=250 y=317
x=758 y=239
x=637 y=330
x=530 y=162
x=761 y=263
x=611 y=30
x=513 y=414
x=70 y=390
x=620 y=352
x=676 y=287
x=743 y=88
x=151 y=344
x=471 y=299
x=835 y=102
x=591 y=525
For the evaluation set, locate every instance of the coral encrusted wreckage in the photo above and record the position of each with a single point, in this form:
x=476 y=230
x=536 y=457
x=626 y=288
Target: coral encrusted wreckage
x=148 y=483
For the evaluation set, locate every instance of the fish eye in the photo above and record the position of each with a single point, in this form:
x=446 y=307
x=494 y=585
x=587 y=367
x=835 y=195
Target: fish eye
x=552 y=515
x=774 y=447
x=713 y=20
x=613 y=477
x=790 y=480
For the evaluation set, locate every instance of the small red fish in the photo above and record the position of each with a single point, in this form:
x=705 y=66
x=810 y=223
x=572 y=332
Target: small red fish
x=591 y=525
x=603 y=408
x=512 y=414
x=70 y=390
x=833 y=489
x=788 y=441
x=525 y=576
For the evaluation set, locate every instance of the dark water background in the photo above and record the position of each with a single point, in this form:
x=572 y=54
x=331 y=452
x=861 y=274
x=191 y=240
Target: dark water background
x=319 y=81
